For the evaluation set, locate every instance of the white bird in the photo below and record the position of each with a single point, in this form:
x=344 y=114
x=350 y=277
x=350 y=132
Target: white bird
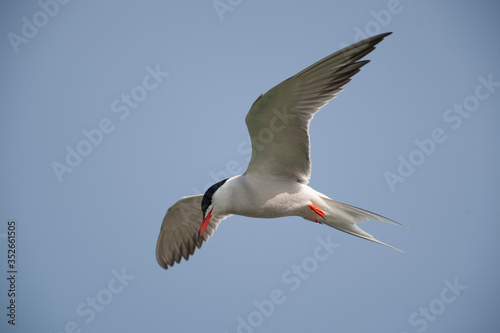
x=275 y=182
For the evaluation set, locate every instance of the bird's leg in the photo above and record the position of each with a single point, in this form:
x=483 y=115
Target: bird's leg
x=317 y=211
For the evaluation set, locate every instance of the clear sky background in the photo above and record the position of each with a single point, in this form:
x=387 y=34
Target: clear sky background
x=423 y=114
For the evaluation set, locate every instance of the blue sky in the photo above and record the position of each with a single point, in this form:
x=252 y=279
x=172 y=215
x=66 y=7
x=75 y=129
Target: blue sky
x=413 y=137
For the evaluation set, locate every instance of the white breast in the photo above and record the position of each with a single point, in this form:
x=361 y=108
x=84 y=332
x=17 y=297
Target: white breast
x=262 y=197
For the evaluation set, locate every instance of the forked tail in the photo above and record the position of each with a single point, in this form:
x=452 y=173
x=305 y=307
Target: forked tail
x=344 y=217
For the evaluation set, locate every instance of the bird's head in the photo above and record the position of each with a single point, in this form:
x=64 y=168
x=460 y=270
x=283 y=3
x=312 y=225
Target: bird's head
x=207 y=207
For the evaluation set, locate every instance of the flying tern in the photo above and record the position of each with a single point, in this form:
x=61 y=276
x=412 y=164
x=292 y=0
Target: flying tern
x=275 y=182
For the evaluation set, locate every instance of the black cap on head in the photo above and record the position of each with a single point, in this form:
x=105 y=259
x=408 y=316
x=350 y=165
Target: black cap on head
x=207 y=197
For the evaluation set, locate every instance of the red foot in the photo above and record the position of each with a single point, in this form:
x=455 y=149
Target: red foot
x=317 y=211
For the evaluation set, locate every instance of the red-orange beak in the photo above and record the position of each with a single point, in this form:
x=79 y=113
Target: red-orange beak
x=204 y=225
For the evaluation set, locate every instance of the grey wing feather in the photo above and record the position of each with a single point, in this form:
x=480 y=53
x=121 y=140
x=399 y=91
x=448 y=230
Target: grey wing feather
x=278 y=121
x=179 y=231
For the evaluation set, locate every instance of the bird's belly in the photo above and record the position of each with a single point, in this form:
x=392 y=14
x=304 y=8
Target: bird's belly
x=270 y=209
x=268 y=199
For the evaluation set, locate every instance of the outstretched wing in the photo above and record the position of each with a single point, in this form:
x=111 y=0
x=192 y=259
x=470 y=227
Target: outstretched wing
x=179 y=231
x=278 y=121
